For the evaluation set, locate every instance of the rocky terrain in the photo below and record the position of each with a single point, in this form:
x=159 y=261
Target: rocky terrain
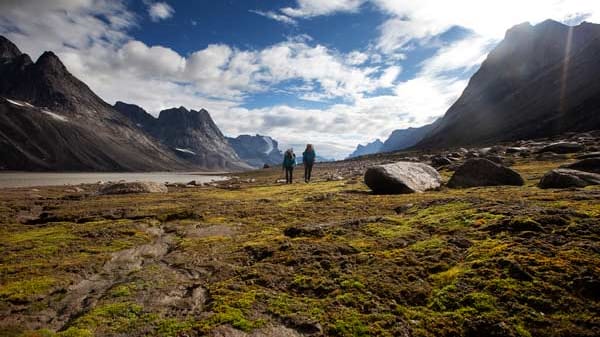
x=251 y=256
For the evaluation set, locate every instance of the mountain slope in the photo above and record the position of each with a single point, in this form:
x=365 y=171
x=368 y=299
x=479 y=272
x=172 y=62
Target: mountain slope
x=49 y=120
x=404 y=138
x=192 y=134
x=370 y=148
x=539 y=81
x=257 y=150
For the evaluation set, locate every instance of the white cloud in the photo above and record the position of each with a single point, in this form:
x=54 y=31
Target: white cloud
x=356 y=58
x=465 y=55
x=422 y=20
x=275 y=16
x=160 y=11
x=312 y=8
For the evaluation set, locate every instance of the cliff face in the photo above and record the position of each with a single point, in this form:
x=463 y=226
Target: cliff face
x=539 y=81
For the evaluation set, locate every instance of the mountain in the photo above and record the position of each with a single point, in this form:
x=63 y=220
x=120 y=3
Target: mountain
x=369 y=148
x=539 y=81
x=192 y=134
x=50 y=120
x=257 y=150
x=402 y=139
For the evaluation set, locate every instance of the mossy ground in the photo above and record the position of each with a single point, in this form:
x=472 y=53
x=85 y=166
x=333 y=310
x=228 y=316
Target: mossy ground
x=514 y=261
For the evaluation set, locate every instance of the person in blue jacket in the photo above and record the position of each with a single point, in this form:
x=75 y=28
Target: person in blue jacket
x=308 y=159
x=289 y=162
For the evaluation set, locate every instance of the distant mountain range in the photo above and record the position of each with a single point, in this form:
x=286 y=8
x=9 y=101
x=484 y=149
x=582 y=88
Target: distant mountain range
x=193 y=135
x=257 y=150
x=369 y=148
x=539 y=81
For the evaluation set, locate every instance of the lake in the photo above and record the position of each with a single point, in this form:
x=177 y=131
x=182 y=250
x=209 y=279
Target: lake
x=31 y=179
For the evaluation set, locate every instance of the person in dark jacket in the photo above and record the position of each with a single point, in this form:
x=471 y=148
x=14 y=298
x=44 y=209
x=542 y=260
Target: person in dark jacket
x=308 y=159
x=289 y=162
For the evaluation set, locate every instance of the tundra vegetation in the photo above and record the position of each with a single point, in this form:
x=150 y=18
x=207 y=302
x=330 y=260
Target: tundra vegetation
x=328 y=258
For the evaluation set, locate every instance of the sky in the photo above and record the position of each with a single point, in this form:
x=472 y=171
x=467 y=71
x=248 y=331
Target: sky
x=334 y=73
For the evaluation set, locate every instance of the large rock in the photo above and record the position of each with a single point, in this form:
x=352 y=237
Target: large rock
x=565 y=178
x=587 y=165
x=133 y=187
x=439 y=161
x=402 y=177
x=483 y=172
x=562 y=148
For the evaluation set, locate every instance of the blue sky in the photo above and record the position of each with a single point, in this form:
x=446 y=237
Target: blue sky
x=331 y=72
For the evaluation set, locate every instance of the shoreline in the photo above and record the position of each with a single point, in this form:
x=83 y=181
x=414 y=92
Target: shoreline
x=21 y=179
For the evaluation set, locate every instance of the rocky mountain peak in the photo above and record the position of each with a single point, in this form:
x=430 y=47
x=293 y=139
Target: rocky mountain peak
x=184 y=118
x=49 y=62
x=8 y=50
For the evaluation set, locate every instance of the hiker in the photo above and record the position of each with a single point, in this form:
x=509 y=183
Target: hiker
x=308 y=159
x=289 y=161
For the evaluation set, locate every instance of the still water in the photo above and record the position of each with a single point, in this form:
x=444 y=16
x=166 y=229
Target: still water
x=31 y=179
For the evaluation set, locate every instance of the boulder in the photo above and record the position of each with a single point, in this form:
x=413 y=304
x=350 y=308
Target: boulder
x=439 y=161
x=133 y=187
x=483 y=172
x=565 y=178
x=402 y=177
x=562 y=148
x=587 y=165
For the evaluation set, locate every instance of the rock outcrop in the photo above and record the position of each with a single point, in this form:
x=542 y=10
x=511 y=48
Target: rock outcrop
x=402 y=177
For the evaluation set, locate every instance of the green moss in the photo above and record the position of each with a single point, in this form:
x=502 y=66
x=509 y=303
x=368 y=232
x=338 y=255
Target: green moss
x=70 y=332
x=447 y=277
x=352 y=284
x=480 y=301
x=435 y=242
x=117 y=317
x=522 y=331
x=121 y=291
x=27 y=290
x=350 y=324
x=174 y=327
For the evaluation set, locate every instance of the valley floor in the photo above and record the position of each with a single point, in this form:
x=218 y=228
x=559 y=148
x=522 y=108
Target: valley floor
x=251 y=257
